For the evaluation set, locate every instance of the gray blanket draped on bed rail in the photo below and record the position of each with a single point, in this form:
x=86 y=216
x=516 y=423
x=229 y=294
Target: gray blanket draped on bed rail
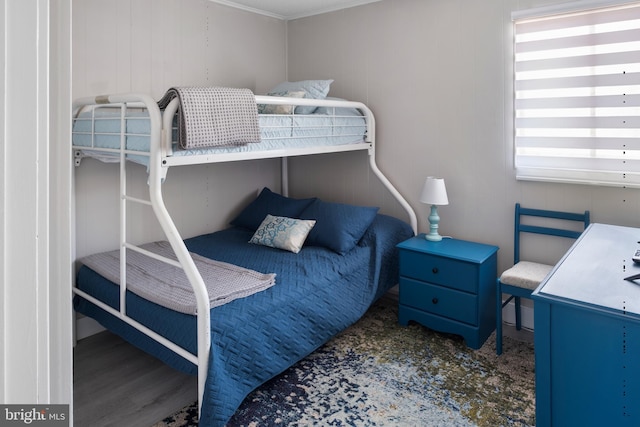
x=213 y=116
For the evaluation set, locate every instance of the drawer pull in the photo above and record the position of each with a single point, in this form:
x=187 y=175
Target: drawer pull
x=434 y=300
x=434 y=270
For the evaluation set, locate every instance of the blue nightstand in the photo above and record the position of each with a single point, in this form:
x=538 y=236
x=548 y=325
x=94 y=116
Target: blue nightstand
x=449 y=286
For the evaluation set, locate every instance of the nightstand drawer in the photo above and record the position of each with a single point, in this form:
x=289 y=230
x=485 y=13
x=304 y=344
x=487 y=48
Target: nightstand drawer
x=448 y=272
x=439 y=300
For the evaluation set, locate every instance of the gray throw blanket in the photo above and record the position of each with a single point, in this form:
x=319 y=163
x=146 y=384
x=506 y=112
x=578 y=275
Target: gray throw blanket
x=214 y=116
x=168 y=286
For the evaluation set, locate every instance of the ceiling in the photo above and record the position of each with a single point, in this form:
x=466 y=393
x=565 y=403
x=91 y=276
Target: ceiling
x=292 y=9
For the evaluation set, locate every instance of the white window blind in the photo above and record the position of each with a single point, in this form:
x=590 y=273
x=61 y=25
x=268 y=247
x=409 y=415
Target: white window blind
x=577 y=97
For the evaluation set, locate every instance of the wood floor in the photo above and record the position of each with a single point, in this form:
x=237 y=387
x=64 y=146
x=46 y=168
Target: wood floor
x=115 y=384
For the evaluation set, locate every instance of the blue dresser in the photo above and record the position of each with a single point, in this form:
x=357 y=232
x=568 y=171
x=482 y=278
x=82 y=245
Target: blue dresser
x=587 y=333
x=449 y=286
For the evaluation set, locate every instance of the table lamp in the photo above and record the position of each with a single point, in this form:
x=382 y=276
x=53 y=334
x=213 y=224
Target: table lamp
x=434 y=193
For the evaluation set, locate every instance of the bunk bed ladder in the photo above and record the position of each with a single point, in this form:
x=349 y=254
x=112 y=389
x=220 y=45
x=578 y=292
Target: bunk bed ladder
x=157 y=174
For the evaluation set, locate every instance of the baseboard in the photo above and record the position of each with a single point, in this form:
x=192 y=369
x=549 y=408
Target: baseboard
x=86 y=326
x=509 y=315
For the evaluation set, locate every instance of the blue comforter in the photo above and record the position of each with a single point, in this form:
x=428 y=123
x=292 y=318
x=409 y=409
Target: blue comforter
x=318 y=293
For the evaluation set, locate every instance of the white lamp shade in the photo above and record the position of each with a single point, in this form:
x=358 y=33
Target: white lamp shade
x=434 y=192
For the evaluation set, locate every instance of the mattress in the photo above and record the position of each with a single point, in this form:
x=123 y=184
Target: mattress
x=317 y=294
x=326 y=127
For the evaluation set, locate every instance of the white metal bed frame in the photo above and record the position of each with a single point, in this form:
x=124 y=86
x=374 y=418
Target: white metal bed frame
x=160 y=160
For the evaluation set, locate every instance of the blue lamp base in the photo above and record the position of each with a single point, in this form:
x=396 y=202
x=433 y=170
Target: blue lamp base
x=434 y=219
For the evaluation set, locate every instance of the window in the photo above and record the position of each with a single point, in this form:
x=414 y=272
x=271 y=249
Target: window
x=577 y=96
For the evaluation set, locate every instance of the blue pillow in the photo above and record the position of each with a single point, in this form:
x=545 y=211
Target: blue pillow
x=339 y=227
x=271 y=203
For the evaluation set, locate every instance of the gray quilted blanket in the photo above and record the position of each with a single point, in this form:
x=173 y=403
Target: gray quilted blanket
x=214 y=116
x=168 y=286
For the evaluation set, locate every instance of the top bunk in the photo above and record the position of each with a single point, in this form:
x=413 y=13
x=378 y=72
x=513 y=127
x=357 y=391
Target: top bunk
x=137 y=128
x=295 y=119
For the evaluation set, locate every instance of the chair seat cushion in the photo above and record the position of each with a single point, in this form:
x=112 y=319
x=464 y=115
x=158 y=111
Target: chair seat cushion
x=526 y=274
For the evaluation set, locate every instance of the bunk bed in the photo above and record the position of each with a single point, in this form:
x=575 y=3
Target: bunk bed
x=237 y=341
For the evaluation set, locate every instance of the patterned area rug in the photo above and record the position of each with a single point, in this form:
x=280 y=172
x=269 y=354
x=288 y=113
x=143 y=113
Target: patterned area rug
x=378 y=373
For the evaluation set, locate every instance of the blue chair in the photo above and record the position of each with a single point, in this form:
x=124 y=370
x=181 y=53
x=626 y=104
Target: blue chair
x=524 y=277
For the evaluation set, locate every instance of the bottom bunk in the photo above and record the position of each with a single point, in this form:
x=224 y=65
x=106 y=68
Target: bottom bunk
x=318 y=292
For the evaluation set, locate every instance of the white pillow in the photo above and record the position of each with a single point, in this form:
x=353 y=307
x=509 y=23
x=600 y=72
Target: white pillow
x=282 y=233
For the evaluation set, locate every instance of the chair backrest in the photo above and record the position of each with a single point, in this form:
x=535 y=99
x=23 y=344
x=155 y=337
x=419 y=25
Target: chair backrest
x=551 y=231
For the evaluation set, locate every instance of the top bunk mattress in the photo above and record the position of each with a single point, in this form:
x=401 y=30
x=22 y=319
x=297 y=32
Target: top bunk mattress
x=101 y=129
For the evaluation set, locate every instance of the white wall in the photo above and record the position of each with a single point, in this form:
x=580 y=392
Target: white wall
x=437 y=75
x=147 y=46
